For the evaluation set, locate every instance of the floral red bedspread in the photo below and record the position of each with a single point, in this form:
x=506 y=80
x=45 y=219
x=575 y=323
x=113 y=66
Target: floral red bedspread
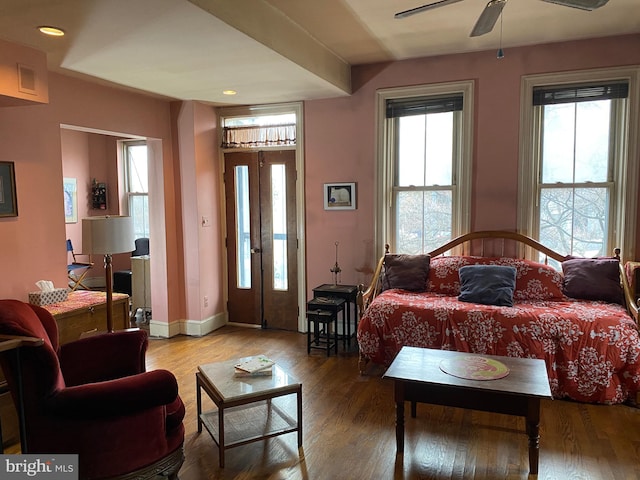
x=591 y=349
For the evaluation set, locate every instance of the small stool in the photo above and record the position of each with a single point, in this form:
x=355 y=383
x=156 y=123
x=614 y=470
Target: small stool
x=323 y=311
x=321 y=336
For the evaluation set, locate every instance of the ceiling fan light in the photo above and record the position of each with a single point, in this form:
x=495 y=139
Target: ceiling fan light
x=581 y=4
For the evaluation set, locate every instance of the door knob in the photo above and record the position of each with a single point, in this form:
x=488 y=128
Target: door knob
x=255 y=250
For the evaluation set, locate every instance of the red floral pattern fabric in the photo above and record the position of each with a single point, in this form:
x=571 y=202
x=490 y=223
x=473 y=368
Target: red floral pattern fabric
x=591 y=349
x=534 y=281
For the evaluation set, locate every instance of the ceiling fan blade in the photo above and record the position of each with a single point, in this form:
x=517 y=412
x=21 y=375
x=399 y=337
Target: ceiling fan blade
x=413 y=11
x=581 y=4
x=488 y=17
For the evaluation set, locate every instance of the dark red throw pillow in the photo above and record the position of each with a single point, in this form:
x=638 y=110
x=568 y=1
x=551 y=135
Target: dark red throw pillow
x=592 y=279
x=407 y=272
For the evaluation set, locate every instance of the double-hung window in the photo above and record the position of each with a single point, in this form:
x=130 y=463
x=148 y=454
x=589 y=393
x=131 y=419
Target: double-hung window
x=424 y=165
x=581 y=199
x=137 y=184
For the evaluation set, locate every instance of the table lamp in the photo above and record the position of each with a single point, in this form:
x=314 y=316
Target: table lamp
x=106 y=235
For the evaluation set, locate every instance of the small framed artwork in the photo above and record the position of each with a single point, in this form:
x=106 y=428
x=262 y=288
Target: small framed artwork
x=70 y=187
x=8 y=198
x=340 y=196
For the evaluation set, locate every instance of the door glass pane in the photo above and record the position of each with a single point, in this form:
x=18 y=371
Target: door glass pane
x=243 y=228
x=435 y=208
x=279 y=209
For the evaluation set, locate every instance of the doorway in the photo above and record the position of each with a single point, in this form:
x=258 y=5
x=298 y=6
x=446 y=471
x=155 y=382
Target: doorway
x=262 y=244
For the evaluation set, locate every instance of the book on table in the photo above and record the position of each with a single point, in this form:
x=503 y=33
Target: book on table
x=258 y=373
x=258 y=365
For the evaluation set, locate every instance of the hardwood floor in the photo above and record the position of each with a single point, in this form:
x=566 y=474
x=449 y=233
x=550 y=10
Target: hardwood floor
x=349 y=430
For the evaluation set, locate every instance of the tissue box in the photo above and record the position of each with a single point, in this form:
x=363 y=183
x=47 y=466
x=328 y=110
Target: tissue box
x=45 y=298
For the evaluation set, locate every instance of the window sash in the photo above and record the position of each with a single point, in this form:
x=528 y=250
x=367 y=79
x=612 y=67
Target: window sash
x=609 y=207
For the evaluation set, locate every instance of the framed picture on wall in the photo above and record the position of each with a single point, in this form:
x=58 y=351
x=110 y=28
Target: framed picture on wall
x=8 y=198
x=340 y=196
x=70 y=187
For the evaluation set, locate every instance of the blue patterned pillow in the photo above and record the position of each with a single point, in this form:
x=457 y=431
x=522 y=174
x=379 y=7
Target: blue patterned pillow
x=487 y=284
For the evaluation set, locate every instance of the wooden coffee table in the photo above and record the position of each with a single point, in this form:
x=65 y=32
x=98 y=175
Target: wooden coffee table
x=418 y=377
x=246 y=410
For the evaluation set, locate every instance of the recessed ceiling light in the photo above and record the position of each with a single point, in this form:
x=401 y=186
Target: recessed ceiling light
x=229 y=92
x=53 y=31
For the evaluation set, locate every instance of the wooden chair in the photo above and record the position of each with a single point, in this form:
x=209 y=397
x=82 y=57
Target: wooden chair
x=76 y=271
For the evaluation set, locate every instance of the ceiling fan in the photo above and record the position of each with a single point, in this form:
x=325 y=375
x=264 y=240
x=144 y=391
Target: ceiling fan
x=493 y=9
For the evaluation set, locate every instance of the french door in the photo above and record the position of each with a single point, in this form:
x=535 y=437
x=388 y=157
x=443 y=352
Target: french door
x=260 y=192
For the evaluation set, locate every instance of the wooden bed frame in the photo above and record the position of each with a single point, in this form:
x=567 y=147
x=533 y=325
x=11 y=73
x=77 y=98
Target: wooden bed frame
x=492 y=243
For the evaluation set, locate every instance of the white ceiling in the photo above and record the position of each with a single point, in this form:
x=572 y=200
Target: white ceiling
x=276 y=50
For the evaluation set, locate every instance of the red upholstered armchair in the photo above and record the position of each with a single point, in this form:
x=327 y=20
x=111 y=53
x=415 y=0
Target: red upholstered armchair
x=93 y=397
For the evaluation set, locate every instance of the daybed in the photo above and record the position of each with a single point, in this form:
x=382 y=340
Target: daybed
x=580 y=318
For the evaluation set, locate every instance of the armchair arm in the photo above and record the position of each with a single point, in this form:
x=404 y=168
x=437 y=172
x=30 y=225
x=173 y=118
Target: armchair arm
x=103 y=357
x=115 y=397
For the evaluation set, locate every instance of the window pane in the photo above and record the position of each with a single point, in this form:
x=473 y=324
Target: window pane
x=592 y=141
x=575 y=220
x=137 y=169
x=411 y=145
x=425 y=149
x=138 y=211
x=576 y=142
x=558 y=143
x=243 y=227
x=423 y=220
x=279 y=212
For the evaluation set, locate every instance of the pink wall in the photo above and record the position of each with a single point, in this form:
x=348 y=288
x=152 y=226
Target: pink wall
x=86 y=156
x=200 y=178
x=32 y=244
x=340 y=141
x=339 y=147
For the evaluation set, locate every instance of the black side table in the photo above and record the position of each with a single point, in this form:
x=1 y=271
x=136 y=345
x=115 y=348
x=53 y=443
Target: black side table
x=347 y=292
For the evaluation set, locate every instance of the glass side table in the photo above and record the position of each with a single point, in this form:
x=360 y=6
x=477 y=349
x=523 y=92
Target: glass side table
x=248 y=408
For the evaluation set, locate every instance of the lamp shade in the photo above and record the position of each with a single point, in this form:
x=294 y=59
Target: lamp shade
x=107 y=234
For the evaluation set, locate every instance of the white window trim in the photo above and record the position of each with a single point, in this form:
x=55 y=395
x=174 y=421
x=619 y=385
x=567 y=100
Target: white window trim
x=383 y=196
x=625 y=174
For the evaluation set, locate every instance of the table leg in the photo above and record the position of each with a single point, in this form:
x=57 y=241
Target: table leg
x=221 y=435
x=199 y=403
x=300 y=417
x=533 y=432
x=346 y=315
x=398 y=395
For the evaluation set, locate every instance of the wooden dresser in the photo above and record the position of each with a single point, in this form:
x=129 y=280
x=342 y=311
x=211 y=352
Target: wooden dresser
x=86 y=312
